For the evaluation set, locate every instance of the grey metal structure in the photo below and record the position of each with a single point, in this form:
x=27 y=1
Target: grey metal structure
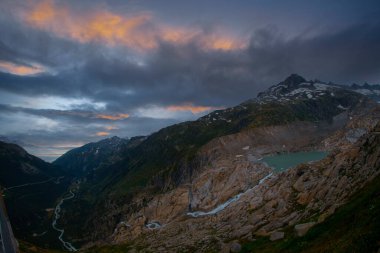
x=8 y=243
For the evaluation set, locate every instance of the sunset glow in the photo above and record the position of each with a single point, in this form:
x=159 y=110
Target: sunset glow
x=102 y=133
x=190 y=107
x=109 y=128
x=113 y=117
x=20 y=69
x=139 y=31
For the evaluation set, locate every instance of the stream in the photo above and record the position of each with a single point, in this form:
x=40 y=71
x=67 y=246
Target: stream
x=228 y=202
x=57 y=211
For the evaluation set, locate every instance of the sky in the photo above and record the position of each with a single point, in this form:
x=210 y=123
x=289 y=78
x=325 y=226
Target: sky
x=73 y=72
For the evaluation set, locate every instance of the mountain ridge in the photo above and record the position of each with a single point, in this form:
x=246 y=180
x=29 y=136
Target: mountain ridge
x=89 y=157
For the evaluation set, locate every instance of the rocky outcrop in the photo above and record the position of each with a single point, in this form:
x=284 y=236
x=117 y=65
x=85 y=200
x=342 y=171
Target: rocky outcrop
x=301 y=229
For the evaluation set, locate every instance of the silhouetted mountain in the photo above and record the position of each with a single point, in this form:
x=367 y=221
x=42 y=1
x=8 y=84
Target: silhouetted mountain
x=19 y=167
x=84 y=160
x=30 y=186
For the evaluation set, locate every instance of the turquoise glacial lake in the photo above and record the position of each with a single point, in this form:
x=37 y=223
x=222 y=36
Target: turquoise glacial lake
x=285 y=161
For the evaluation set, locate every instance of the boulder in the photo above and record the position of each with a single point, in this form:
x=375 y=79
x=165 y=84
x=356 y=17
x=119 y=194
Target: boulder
x=277 y=235
x=235 y=247
x=301 y=229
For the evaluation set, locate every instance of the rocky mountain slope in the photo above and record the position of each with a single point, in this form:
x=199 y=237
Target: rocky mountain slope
x=235 y=169
x=298 y=198
x=191 y=179
x=30 y=187
x=296 y=86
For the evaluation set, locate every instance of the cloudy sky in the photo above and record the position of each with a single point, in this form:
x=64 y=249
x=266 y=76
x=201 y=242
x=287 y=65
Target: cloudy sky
x=73 y=72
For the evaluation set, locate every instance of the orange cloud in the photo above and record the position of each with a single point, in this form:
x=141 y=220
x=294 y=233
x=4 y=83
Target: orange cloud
x=102 y=133
x=109 y=128
x=20 y=69
x=99 y=26
x=139 y=31
x=113 y=29
x=224 y=44
x=190 y=107
x=113 y=117
x=45 y=12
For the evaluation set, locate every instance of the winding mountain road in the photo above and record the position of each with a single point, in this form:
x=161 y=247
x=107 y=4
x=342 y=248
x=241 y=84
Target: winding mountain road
x=29 y=184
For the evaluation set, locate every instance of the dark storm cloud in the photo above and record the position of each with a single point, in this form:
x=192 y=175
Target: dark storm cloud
x=20 y=45
x=211 y=78
x=187 y=71
x=346 y=56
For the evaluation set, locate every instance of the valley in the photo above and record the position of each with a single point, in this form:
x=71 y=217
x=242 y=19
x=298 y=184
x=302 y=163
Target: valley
x=57 y=211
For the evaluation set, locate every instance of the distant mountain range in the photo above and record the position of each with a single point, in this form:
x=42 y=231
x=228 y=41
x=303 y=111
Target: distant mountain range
x=373 y=91
x=19 y=167
x=83 y=160
x=201 y=185
x=296 y=86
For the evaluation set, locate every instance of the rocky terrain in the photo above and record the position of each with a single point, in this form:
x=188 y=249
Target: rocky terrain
x=300 y=197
